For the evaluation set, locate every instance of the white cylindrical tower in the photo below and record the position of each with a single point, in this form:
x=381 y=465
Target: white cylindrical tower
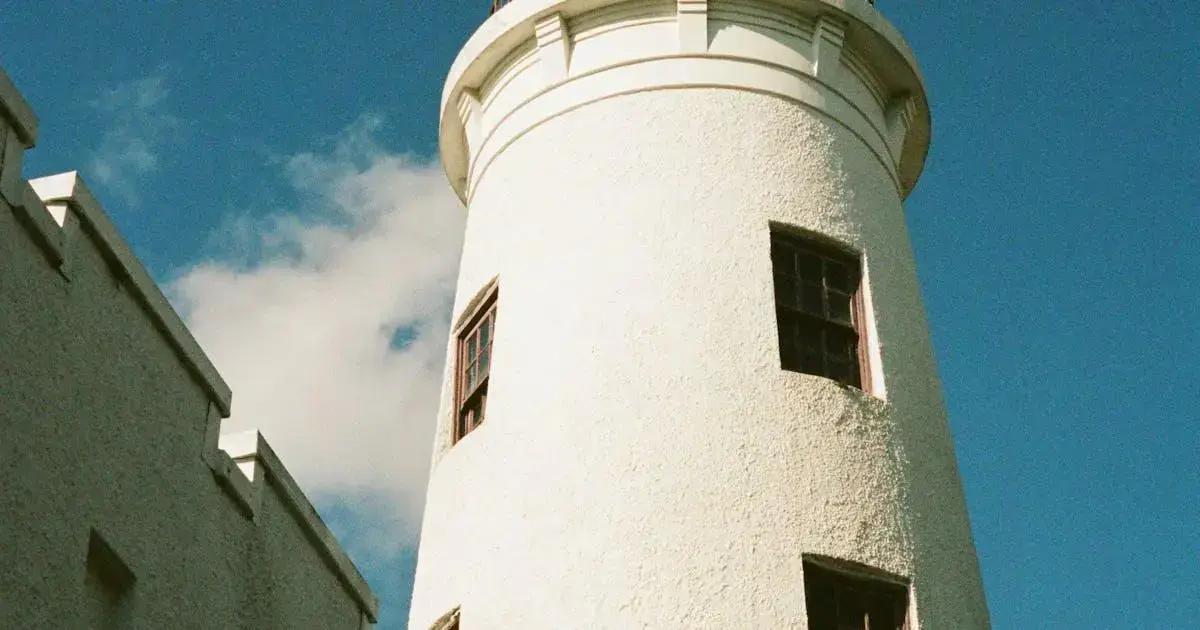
x=690 y=383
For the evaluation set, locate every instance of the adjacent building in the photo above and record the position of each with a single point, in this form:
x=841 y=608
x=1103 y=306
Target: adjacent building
x=121 y=504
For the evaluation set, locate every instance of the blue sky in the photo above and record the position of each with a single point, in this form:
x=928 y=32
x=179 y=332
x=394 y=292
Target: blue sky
x=249 y=150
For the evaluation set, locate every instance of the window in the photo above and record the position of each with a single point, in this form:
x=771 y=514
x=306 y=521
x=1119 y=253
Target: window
x=474 y=365
x=108 y=584
x=853 y=601
x=448 y=621
x=818 y=306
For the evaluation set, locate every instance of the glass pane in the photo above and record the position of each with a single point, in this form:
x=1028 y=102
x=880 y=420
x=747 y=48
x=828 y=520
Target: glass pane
x=485 y=356
x=811 y=358
x=485 y=332
x=851 y=615
x=882 y=614
x=785 y=291
x=837 y=369
x=789 y=355
x=809 y=267
x=471 y=347
x=839 y=307
x=464 y=422
x=472 y=377
x=837 y=343
x=821 y=603
x=783 y=259
x=810 y=295
x=837 y=276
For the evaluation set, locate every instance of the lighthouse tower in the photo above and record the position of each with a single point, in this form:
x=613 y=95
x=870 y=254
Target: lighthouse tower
x=690 y=382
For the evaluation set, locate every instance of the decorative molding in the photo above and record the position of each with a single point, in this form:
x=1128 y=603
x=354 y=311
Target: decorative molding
x=469 y=112
x=899 y=115
x=816 y=32
x=829 y=35
x=554 y=47
x=674 y=72
x=693 y=26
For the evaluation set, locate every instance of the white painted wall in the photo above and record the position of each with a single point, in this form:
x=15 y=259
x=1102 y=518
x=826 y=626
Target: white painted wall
x=110 y=414
x=645 y=462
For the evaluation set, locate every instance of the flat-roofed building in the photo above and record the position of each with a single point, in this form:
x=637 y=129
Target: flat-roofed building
x=121 y=505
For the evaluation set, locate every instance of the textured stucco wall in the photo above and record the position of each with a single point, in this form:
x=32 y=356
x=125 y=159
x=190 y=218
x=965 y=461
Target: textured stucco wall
x=104 y=427
x=645 y=462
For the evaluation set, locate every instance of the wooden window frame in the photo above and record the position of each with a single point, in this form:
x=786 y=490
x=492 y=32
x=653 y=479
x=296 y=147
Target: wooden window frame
x=470 y=399
x=826 y=251
x=861 y=580
x=448 y=621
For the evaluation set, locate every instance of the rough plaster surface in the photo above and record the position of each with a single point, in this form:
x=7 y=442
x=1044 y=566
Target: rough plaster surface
x=106 y=427
x=645 y=463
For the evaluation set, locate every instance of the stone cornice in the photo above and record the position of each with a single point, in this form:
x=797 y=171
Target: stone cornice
x=845 y=33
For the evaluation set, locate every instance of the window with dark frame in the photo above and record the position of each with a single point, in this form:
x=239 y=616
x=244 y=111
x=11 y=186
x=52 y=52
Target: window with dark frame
x=474 y=366
x=852 y=601
x=818 y=306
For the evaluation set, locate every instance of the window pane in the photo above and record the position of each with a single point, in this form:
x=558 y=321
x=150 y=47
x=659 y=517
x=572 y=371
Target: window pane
x=839 y=307
x=810 y=295
x=783 y=258
x=809 y=267
x=471 y=347
x=811 y=357
x=485 y=356
x=837 y=369
x=472 y=377
x=837 y=276
x=881 y=613
x=851 y=615
x=789 y=356
x=839 y=343
x=821 y=603
x=485 y=332
x=785 y=291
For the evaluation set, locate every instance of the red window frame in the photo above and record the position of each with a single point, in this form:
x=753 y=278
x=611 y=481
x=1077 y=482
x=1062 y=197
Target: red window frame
x=472 y=369
x=821 y=321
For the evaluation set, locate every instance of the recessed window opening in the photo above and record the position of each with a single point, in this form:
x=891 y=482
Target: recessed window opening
x=109 y=586
x=819 y=309
x=473 y=365
x=853 y=600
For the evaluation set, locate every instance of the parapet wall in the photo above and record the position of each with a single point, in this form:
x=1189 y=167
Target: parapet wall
x=112 y=415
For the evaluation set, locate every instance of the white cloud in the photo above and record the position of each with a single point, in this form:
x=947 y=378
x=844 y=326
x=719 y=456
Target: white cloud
x=139 y=124
x=301 y=324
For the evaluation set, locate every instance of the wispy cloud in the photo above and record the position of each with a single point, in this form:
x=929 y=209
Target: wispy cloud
x=330 y=323
x=138 y=126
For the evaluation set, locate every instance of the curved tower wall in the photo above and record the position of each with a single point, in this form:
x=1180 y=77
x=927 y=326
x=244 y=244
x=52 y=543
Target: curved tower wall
x=645 y=461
